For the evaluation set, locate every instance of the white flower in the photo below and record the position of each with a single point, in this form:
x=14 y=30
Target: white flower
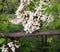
x=13 y=49
x=50 y=18
x=20 y=10
x=4 y=48
x=17 y=45
x=29 y=19
x=31 y=15
x=45 y=3
x=33 y=28
x=36 y=23
x=10 y=44
x=26 y=27
x=44 y=17
x=38 y=13
x=16 y=20
x=30 y=31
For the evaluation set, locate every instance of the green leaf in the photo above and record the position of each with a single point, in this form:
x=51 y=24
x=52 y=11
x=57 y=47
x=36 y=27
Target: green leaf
x=2 y=40
x=50 y=39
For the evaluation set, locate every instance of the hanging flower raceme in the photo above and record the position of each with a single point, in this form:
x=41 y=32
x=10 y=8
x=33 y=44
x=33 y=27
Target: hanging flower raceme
x=11 y=46
x=29 y=19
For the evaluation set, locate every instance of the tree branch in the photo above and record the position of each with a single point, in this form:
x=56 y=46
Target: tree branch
x=37 y=33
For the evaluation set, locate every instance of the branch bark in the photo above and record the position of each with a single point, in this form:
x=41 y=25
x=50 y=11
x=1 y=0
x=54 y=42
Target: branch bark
x=22 y=34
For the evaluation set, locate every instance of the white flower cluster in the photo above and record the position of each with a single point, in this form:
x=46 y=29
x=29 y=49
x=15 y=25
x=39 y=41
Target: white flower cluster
x=30 y=20
x=11 y=46
x=46 y=19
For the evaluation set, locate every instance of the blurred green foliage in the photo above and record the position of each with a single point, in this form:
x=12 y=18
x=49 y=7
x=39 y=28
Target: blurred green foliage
x=6 y=26
x=8 y=6
x=29 y=44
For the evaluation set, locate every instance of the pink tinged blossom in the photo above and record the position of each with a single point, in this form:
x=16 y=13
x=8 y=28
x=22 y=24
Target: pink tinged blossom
x=16 y=21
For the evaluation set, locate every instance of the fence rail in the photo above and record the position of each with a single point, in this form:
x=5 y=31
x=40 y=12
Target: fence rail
x=21 y=34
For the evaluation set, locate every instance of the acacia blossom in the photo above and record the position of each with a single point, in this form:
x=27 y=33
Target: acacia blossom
x=29 y=19
x=11 y=46
x=4 y=48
